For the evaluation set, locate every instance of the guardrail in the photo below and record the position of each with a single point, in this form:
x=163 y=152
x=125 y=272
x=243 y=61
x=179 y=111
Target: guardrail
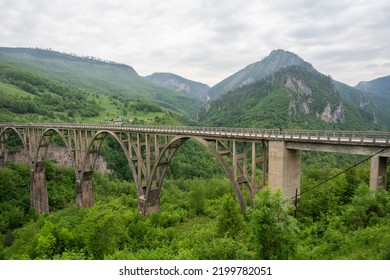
x=324 y=136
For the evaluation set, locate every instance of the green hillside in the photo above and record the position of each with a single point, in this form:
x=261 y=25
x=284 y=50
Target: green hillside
x=379 y=88
x=104 y=77
x=257 y=71
x=28 y=97
x=293 y=97
x=371 y=103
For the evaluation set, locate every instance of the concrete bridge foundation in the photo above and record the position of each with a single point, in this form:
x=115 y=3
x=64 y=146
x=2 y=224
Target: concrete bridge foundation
x=284 y=168
x=378 y=172
x=38 y=190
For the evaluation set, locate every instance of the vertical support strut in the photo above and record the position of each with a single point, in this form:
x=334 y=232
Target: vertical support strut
x=254 y=147
x=264 y=165
x=245 y=163
x=235 y=163
x=140 y=161
x=147 y=155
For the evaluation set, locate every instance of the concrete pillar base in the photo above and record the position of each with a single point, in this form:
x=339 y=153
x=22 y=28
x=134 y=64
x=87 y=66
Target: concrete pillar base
x=150 y=204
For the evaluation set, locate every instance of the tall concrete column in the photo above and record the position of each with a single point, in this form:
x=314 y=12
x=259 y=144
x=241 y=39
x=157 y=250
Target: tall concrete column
x=378 y=172
x=38 y=190
x=284 y=168
x=84 y=190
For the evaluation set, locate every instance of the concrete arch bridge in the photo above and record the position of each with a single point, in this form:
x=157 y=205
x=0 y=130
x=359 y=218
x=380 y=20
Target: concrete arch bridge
x=249 y=157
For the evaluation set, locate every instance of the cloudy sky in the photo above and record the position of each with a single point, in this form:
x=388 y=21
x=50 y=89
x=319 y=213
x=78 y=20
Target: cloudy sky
x=208 y=40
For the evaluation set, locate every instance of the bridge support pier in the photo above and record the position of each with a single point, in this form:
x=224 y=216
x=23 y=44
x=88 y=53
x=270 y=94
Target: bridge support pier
x=284 y=168
x=378 y=172
x=151 y=204
x=38 y=190
x=84 y=190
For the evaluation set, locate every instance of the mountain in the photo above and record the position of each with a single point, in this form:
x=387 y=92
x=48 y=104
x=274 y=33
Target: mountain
x=378 y=88
x=276 y=60
x=180 y=84
x=294 y=97
x=105 y=77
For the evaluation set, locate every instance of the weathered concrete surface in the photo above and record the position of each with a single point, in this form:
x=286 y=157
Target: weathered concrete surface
x=378 y=172
x=38 y=189
x=284 y=168
x=84 y=190
x=152 y=204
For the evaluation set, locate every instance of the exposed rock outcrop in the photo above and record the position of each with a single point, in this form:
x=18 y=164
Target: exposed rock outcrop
x=60 y=156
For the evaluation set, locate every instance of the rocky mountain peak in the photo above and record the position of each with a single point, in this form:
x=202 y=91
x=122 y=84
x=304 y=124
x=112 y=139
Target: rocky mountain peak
x=275 y=61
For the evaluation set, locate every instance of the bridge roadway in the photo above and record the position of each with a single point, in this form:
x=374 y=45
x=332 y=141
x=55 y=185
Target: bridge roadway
x=361 y=138
x=274 y=153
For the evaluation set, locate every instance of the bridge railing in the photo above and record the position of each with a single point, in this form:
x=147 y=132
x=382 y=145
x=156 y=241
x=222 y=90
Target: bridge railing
x=364 y=137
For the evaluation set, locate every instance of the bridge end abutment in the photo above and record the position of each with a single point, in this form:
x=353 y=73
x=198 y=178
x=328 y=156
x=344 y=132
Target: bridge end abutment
x=378 y=172
x=284 y=168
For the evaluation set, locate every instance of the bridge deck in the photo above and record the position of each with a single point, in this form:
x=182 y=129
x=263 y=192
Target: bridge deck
x=361 y=138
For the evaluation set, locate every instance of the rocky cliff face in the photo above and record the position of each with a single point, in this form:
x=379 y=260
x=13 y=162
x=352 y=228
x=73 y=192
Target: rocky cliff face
x=332 y=115
x=60 y=156
x=303 y=97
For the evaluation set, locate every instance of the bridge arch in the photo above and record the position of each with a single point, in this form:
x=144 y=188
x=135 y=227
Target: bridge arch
x=44 y=143
x=4 y=137
x=95 y=144
x=84 y=176
x=39 y=198
x=163 y=161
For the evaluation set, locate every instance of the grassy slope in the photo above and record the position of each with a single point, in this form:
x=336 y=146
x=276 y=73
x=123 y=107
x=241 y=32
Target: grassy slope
x=94 y=75
x=108 y=106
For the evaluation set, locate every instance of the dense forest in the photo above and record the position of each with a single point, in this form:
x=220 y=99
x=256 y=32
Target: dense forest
x=199 y=219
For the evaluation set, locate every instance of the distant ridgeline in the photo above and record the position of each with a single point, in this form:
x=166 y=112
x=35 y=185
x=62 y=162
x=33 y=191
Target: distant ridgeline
x=71 y=88
x=50 y=53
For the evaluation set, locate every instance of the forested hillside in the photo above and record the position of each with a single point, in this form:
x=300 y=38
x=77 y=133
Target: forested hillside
x=199 y=219
x=92 y=74
x=28 y=97
x=292 y=98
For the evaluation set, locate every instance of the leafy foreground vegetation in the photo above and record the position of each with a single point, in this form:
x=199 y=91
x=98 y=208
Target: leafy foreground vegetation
x=199 y=219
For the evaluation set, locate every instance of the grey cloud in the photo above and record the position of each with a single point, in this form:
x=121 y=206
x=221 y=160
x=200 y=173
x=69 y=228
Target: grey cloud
x=207 y=40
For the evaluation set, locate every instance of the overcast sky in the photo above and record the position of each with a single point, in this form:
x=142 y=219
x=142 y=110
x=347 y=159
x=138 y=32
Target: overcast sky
x=208 y=40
